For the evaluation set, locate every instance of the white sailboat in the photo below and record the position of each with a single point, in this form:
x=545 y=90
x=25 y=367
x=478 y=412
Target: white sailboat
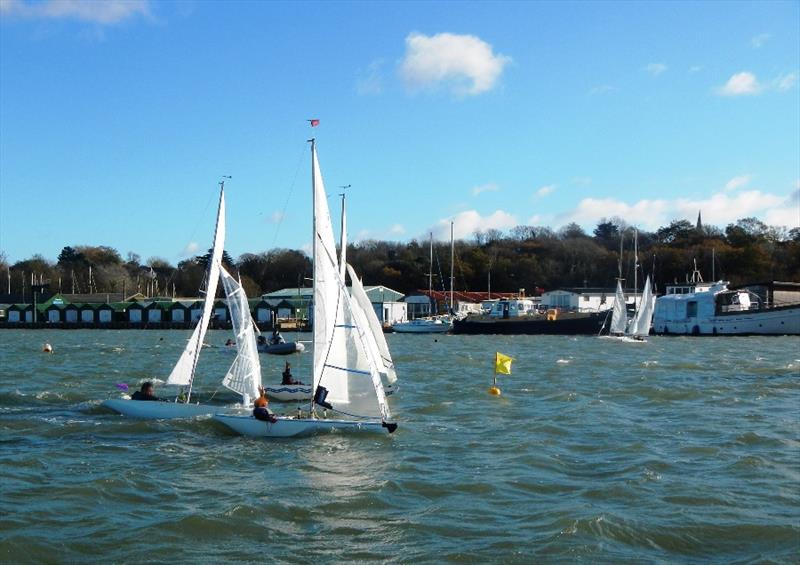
x=183 y=373
x=431 y=324
x=619 y=314
x=346 y=376
x=639 y=328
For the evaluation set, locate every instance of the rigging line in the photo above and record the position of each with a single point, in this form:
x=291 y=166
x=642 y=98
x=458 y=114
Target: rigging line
x=289 y=195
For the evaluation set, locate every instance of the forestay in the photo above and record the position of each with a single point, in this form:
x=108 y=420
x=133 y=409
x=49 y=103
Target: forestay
x=183 y=372
x=244 y=376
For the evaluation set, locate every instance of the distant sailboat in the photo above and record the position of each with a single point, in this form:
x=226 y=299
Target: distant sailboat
x=346 y=374
x=639 y=328
x=619 y=314
x=184 y=371
x=431 y=324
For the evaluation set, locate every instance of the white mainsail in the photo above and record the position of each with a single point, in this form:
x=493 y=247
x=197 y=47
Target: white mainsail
x=376 y=335
x=183 y=372
x=343 y=361
x=326 y=295
x=619 y=315
x=640 y=325
x=244 y=376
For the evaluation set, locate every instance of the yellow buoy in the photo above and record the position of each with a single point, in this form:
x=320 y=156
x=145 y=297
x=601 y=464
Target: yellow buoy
x=494 y=390
x=47 y=348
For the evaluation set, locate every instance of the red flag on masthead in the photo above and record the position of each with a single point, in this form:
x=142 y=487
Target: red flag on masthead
x=314 y=123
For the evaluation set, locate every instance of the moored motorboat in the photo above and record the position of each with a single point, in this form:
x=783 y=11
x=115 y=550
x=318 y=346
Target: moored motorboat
x=442 y=324
x=700 y=308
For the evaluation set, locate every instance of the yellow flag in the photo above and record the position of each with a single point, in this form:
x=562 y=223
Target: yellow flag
x=502 y=364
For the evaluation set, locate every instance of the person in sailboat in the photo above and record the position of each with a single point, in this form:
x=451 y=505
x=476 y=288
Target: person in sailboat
x=276 y=338
x=145 y=392
x=261 y=408
x=288 y=379
x=230 y=343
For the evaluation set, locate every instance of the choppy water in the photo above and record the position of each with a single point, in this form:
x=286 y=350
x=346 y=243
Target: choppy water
x=681 y=449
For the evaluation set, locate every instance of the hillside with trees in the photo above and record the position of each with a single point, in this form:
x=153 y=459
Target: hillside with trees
x=526 y=257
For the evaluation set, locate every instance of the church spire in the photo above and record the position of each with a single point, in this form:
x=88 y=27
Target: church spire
x=699 y=222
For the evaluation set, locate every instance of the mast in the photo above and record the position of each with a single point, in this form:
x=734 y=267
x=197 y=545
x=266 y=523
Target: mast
x=452 y=261
x=636 y=272
x=343 y=240
x=313 y=143
x=430 y=278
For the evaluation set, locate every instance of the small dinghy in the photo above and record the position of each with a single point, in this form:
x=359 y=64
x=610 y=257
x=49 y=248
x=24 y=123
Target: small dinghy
x=279 y=347
x=244 y=375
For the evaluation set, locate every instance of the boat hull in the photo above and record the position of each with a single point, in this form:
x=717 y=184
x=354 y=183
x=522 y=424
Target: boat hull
x=293 y=427
x=412 y=328
x=773 y=321
x=152 y=410
x=291 y=393
x=579 y=324
x=282 y=348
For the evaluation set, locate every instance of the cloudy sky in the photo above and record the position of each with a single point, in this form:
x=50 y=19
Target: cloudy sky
x=117 y=119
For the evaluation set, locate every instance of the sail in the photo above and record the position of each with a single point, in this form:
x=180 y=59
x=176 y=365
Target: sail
x=328 y=342
x=386 y=365
x=619 y=316
x=244 y=376
x=343 y=362
x=183 y=372
x=640 y=326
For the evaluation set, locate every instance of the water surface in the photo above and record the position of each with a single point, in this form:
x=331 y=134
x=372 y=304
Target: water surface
x=681 y=449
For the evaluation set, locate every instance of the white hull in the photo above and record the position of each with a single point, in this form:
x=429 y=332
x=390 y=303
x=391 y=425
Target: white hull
x=422 y=327
x=624 y=338
x=154 y=410
x=292 y=427
x=290 y=393
x=779 y=321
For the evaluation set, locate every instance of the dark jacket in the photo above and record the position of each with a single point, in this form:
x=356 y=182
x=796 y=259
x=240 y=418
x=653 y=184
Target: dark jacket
x=139 y=395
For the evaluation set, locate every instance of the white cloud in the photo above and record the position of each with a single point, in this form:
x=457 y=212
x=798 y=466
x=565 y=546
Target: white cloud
x=785 y=82
x=602 y=89
x=787 y=215
x=468 y=222
x=397 y=229
x=370 y=80
x=655 y=69
x=720 y=208
x=545 y=190
x=191 y=249
x=275 y=218
x=739 y=84
x=488 y=187
x=759 y=40
x=738 y=182
x=463 y=63
x=106 y=12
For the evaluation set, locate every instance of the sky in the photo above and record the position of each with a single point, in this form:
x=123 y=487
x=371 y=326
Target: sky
x=118 y=119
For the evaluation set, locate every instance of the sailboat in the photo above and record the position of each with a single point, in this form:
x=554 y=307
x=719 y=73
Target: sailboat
x=346 y=378
x=365 y=314
x=431 y=324
x=184 y=371
x=639 y=328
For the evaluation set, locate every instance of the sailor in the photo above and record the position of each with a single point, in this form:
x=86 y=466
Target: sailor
x=230 y=343
x=288 y=379
x=260 y=408
x=276 y=338
x=145 y=393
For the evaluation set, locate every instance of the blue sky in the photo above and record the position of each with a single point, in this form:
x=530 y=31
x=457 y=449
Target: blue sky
x=117 y=119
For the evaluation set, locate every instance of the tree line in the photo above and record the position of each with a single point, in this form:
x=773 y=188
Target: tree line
x=525 y=257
